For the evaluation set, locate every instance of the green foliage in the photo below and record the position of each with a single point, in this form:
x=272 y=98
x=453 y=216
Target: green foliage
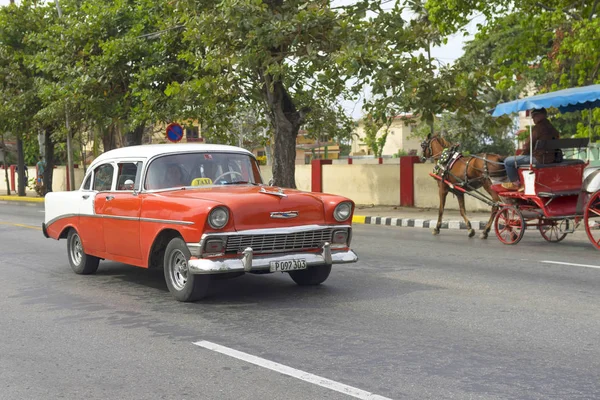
x=551 y=45
x=373 y=139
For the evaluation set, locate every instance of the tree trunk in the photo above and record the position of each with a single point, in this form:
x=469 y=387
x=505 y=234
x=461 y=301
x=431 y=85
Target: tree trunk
x=6 y=178
x=134 y=137
x=286 y=121
x=49 y=156
x=108 y=139
x=22 y=181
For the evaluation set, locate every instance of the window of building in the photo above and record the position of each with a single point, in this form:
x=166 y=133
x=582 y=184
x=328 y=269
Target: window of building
x=191 y=134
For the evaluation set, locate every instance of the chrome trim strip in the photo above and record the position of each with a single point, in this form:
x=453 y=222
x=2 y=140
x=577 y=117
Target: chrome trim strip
x=249 y=262
x=53 y=220
x=276 y=231
x=168 y=221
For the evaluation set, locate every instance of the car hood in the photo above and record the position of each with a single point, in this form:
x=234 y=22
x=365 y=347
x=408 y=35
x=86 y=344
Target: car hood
x=253 y=207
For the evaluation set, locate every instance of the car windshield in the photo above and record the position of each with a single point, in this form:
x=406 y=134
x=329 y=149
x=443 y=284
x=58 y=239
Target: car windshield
x=201 y=168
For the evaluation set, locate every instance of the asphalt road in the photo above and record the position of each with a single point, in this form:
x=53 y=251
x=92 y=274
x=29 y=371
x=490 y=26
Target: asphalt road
x=418 y=317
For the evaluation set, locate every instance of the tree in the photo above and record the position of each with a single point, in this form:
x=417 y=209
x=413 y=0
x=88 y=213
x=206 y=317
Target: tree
x=284 y=58
x=19 y=100
x=551 y=44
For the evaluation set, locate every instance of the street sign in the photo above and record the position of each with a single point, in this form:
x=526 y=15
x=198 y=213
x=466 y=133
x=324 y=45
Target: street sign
x=174 y=132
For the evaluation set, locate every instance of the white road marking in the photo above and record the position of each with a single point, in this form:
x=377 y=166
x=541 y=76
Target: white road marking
x=296 y=373
x=575 y=265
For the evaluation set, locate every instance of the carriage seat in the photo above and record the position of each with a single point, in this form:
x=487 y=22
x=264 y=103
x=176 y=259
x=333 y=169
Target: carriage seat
x=560 y=144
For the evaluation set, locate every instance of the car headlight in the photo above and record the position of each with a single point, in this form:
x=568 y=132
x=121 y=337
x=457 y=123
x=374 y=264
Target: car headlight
x=342 y=211
x=218 y=217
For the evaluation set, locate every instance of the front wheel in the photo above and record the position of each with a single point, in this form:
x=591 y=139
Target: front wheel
x=311 y=275
x=81 y=263
x=509 y=225
x=183 y=285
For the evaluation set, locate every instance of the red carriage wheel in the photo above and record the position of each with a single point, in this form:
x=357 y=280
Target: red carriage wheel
x=591 y=219
x=552 y=231
x=509 y=225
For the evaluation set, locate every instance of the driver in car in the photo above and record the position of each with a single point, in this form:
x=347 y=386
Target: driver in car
x=174 y=176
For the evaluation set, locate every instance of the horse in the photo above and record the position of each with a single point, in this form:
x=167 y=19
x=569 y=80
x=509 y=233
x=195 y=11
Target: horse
x=469 y=173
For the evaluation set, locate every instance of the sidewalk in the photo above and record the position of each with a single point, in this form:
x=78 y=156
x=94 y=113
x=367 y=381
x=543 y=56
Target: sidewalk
x=417 y=217
x=27 y=199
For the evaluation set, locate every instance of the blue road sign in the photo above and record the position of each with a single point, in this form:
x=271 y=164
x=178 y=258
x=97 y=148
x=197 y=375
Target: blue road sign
x=174 y=132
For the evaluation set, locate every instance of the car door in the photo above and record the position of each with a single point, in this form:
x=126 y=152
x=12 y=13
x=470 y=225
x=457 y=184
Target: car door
x=121 y=211
x=90 y=223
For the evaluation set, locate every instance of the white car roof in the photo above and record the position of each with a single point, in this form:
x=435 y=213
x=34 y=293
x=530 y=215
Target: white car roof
x=150 y=150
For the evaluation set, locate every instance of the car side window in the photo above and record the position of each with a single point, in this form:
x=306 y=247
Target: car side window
x=87 y=184
x=103 y=176
x=128 y=175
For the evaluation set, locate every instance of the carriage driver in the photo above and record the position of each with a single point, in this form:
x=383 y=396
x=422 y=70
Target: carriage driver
x=543 y=130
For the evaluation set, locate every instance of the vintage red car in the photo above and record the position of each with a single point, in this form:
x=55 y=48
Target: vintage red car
x=197 y=211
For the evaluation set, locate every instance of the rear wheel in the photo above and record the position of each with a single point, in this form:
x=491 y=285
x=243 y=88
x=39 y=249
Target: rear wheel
x=81 y=263
x=553 y=231
x=312 y=275
x=183 y=285
x=509 y=225
x=591 y=219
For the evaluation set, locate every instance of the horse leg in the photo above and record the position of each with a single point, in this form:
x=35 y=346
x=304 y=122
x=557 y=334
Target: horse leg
x=463 y=213
x=443 y=191
x=496 y=199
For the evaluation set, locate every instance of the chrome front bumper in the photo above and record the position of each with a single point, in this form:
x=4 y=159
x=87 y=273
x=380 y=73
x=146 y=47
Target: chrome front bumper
x=249 y=262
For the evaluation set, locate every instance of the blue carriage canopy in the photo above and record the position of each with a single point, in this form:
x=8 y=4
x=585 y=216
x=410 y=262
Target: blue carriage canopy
x=566 y=100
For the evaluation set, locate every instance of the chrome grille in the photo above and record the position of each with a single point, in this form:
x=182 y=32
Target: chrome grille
x=273 y=243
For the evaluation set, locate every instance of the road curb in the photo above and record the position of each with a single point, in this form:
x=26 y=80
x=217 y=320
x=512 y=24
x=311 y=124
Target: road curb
x=22 y=199
x=415 y=222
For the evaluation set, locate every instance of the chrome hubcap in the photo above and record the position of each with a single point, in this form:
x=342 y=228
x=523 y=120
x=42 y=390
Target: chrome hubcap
x=179 y=269
x=76 y=250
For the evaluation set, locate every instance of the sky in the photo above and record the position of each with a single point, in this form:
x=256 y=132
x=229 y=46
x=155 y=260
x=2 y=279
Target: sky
x=445 y=54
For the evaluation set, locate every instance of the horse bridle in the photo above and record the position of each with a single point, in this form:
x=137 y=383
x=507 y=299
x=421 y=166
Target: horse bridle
x=426 y=145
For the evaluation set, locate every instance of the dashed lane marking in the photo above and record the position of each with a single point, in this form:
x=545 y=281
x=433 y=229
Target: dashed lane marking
x=572 y=264
x=296 y=373
x=21 y=225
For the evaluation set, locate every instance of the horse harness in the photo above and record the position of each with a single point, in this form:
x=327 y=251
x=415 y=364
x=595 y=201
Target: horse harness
x=448 y=159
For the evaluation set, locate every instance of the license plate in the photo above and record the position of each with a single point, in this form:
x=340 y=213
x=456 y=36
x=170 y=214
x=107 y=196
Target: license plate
x=288 y=265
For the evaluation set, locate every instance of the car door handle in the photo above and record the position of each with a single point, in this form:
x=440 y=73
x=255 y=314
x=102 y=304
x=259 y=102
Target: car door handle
x=86 y=196
x=109 y=198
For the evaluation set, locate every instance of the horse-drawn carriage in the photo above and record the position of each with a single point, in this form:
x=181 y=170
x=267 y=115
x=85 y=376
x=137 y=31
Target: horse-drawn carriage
x=556 y=197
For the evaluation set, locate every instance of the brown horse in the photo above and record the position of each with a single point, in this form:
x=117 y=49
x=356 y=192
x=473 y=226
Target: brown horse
x=469 y=173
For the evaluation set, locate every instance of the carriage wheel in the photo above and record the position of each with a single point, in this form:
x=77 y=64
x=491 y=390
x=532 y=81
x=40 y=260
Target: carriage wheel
x=509 y=225
x=591 y=219
x=552 y=230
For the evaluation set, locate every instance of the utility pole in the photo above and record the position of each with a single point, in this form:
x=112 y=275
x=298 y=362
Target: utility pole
x=68 y=126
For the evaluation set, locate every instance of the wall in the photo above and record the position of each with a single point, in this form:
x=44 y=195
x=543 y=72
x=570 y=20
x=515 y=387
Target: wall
x=365 y=184
x=303 y=176
x=59 y=179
